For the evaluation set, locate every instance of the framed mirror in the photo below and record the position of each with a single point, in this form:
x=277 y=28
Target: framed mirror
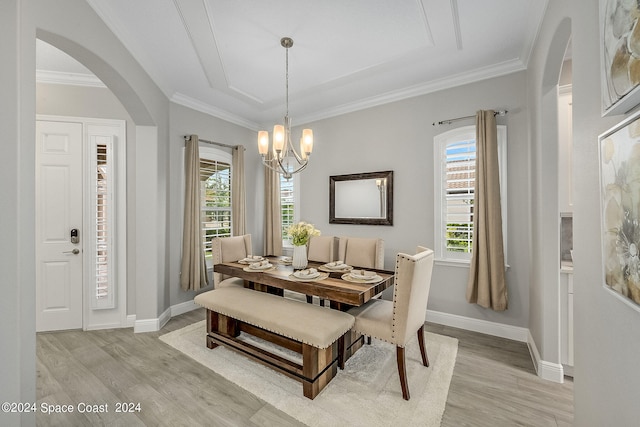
x=361 y=198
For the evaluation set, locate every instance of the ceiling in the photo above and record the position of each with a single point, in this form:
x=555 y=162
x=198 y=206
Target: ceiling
x=224 y=58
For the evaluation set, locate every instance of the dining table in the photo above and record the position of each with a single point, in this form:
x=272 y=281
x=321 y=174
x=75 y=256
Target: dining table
x=343 y=293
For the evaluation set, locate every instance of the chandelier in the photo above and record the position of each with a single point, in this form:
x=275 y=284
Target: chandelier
x=285 y=159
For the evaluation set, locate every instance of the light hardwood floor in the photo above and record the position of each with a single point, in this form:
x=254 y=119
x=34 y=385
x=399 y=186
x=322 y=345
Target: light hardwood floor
x=494 y=383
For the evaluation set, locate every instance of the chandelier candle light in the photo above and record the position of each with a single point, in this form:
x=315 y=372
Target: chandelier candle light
x=284 y=152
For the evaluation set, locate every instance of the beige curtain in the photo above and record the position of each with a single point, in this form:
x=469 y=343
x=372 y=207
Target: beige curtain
x=193 y=270
x=487 y=286
x=273 y=214
x=238 y=193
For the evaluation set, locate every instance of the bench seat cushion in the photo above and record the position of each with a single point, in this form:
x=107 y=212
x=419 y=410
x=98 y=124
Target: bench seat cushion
x=306 y=323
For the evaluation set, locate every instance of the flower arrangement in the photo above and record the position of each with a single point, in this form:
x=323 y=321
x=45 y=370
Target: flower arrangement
x=301 y=232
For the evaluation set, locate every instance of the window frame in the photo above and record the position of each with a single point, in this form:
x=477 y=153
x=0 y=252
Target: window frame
x=286 y=243
x=441 y=141
x=218 y=155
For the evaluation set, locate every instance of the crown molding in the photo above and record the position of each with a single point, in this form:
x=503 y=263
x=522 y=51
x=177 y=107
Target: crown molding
x=477 y=75
x=194 y=104
x=65 y=78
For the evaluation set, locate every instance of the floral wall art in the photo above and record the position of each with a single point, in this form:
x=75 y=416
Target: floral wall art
x=620 y=182
x=620 y=53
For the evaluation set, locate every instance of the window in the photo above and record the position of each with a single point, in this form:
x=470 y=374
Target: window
x=215 y=191
x=289 y=190
x=454 y=180
x=102 y=223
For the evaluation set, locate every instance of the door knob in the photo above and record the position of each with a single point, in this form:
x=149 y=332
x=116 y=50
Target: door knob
x=75 y=252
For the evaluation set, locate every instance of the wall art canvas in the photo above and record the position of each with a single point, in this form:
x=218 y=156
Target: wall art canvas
x=620 y=55
x=620 y=205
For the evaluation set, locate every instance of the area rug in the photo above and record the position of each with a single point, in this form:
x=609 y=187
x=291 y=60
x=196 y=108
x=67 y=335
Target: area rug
x=366 y=393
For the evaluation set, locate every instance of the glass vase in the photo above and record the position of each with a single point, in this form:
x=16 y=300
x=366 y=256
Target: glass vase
x=299 y=261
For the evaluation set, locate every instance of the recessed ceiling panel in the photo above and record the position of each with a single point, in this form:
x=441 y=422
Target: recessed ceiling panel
x=223 y=57
x=332 y=39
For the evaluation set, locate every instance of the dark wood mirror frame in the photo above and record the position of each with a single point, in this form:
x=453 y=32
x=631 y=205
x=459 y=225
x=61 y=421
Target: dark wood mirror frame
x=386 y=203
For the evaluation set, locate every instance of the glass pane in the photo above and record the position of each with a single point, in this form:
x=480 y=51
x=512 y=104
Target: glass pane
x=460 y=182
x=215 y=190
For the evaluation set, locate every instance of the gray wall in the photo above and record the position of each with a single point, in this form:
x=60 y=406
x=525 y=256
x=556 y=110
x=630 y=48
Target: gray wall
x=399 y=137
x=607 y=332
x=95 y=102
x=17 y=176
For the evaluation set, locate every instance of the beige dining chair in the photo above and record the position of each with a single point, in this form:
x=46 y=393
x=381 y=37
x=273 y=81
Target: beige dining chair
x=395 y=321
x=322 y=249
x=227 y=249
x=362 y=252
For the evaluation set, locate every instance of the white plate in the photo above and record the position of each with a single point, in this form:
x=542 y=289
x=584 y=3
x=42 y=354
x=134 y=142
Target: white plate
x=357 y=274
x=349 y=278
x=250 y=260
x=261 y=268
x=315 y=275
x=341 y=267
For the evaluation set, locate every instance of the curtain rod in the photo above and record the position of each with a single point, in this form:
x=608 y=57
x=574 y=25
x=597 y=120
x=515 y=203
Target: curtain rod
x=214 y=142
x=449 y=121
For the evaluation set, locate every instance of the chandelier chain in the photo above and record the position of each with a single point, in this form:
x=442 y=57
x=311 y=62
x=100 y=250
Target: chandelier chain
x=287 y=80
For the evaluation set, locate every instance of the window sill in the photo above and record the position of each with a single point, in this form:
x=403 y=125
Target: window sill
x=452 y=262
x=464 y=263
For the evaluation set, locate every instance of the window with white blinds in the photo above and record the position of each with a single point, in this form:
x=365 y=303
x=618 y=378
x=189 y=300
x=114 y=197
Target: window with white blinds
x=215 y=203
x=454 y=182
x=459 y=182
x=102 y=224
x=287 y=206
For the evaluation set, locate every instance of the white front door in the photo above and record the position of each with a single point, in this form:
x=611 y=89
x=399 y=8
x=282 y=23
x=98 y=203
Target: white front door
x=59 y=238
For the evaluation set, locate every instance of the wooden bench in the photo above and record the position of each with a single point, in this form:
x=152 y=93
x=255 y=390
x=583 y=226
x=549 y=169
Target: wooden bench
x=314 y=332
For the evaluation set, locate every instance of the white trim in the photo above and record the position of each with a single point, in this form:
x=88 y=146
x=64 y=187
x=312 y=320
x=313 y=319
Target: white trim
x=514 y=333
x=183 y=307
x=194 y=104
x=498 y=70
x=131 y=321
x=66 y=78
x=545 y=370
x=152 y=325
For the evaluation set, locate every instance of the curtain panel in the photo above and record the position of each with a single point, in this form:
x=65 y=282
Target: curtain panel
x=487 y=286
x=193 y=269
x=273 y=212
x=238 y=193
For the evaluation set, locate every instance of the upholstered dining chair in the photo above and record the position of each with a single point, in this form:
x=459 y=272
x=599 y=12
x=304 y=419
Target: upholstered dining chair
x=395 y=321
x=361 y=252
x=226 y=249
x=322 y=249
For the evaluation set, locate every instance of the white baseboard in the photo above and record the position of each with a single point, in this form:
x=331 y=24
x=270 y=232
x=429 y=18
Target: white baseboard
x=131 y=321
x=546 y=370
x=153 y=325
x=183 y=307
x=97 y=327
x=477 y=325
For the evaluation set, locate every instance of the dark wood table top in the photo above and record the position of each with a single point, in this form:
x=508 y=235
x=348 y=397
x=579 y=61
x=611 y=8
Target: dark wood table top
x=333 y=288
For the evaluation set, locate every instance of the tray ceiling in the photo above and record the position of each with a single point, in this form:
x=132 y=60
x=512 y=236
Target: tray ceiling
x=224 y=57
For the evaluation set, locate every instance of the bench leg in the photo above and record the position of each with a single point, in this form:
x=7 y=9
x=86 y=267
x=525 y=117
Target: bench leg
x=318 y=363
x=341 y=352
x=211 y=344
